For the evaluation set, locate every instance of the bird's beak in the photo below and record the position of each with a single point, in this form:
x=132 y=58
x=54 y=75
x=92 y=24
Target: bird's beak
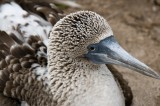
x=108 y=51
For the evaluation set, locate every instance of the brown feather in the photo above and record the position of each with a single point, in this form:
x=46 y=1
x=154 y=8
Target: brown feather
x=3 y=64
x=14 y=37
x=2 y=56
x=6 y=39
x=16 y=78
x=8 y=59
x=4 y=47
x=17 y=51
x=28 y=49
x=43 y=9
x=5 y=101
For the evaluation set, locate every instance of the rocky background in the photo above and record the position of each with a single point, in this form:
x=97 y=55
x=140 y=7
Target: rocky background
x=136 y=25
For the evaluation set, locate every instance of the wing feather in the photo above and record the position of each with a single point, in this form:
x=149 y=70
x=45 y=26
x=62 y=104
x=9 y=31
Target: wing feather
x=23 y=54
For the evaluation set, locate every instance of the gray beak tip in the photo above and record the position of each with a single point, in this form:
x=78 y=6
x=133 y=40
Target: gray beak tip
x=157 y=77
x=150 y=72
x=154 y=74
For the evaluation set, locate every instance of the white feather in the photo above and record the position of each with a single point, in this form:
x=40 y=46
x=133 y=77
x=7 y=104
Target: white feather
x=13 y=17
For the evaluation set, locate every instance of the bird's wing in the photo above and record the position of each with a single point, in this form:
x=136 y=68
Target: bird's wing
x=23 y=50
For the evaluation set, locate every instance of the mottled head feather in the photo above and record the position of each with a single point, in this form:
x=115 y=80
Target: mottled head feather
x=77 y=30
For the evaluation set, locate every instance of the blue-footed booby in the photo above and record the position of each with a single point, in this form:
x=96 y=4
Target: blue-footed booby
x=63 y=65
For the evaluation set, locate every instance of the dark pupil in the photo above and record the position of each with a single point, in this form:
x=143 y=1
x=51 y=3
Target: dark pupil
x=92 y=48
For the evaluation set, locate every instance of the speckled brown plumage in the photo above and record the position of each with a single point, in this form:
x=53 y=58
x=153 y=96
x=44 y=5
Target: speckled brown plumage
x=17 y=79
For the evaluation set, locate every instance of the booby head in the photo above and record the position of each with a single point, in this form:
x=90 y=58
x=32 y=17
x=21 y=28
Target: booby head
x=88 y=36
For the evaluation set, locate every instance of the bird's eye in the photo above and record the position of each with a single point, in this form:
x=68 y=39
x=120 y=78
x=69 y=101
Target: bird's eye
x=92 y=48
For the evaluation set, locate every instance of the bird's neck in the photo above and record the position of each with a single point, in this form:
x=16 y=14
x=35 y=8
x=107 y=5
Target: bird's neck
x=76 y=83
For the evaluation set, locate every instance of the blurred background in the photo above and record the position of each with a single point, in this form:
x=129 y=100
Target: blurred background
x=136 y=25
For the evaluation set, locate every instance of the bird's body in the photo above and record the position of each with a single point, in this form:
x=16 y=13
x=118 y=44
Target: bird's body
x=59 y=70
